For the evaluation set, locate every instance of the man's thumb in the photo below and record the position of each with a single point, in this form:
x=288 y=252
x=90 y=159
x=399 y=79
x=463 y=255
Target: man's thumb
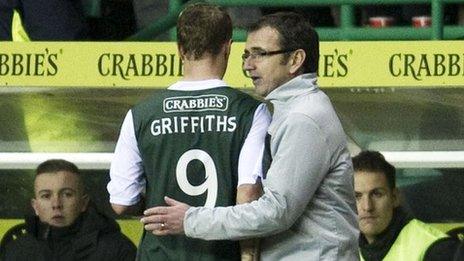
x=171 y=202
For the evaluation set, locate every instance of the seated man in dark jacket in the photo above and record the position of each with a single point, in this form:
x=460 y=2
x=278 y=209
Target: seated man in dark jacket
x=44 y=20
x=66 y=226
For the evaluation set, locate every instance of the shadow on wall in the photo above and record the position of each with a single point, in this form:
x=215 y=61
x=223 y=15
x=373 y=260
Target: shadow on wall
x=438 y=200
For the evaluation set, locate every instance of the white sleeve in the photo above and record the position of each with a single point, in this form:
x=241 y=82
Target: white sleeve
x=127 y=179
x=251 y=154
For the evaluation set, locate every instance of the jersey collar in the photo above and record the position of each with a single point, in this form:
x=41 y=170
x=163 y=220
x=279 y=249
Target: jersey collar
x=197 y=85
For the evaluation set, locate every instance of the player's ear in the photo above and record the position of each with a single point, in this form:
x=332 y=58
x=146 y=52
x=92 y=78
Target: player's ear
x=181 y=52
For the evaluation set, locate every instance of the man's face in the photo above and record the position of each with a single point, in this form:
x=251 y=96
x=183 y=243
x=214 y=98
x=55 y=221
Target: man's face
x=267 y=72
x=375 y=202
x=59 y=198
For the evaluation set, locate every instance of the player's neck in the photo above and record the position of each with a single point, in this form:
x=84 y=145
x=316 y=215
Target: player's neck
x=203 y=69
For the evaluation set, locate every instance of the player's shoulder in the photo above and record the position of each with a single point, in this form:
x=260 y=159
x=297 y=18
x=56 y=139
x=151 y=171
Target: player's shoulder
x=241 y=94
x=155 y=97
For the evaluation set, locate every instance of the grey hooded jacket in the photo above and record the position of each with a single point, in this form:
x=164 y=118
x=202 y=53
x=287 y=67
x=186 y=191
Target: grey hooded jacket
x=307 y=211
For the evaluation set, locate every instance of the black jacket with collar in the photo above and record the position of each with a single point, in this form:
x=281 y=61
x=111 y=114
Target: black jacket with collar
x=93 y=236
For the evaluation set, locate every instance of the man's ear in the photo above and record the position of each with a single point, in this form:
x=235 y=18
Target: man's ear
x=85 y=202
x=181 y=52
x=34 y=206
x=396 y=197
x=227 y=47
x=297 y=60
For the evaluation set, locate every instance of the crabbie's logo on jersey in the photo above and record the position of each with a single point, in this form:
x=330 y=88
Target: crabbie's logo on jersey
x=210 y=102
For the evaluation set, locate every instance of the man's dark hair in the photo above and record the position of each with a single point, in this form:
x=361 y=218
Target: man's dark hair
x=295 y=32
x=203 y=28
x=374 y=161
x=55 y=165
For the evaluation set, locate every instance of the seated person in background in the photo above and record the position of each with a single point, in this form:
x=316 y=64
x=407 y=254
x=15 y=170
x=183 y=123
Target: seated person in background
x=387 y=231
x=66 y=226
x=52 y=20
x=66 y=20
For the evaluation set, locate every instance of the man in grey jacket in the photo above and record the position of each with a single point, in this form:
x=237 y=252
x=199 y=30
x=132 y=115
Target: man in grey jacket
x=307 y=210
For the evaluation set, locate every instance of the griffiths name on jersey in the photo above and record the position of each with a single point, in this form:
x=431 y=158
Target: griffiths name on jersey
x=194 y=124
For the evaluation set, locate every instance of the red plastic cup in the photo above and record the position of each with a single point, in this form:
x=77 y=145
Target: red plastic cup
x=421 y=21
x=381 y=21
